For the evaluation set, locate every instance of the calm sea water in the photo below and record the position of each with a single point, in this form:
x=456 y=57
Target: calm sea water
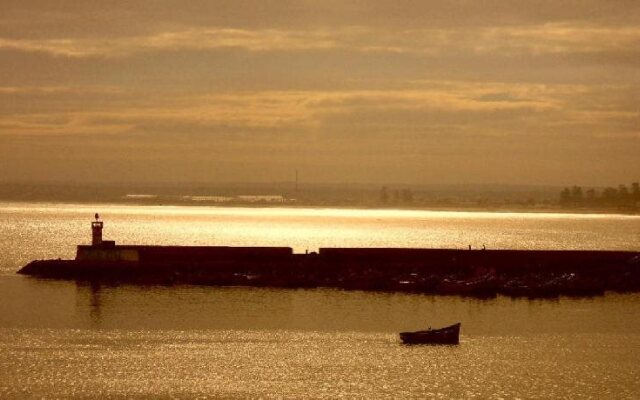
x=68 y=340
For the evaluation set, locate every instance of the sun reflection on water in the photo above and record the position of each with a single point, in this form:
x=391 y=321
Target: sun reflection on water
x=35 y=230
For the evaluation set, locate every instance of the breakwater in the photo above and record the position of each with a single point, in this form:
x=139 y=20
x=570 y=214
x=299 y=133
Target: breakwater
x=532 y=273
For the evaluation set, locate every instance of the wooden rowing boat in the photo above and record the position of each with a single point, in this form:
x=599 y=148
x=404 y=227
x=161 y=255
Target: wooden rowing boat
x=446 y=335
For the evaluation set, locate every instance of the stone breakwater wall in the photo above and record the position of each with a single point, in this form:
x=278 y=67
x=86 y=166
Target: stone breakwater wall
x=533 y=273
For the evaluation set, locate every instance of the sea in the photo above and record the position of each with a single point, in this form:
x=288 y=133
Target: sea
x=65 y=339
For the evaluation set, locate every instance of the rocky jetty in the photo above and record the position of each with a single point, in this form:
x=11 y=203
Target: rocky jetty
x=482 y=273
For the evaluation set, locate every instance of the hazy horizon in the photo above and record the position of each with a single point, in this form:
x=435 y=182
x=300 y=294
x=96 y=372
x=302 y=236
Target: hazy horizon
x=433 y=92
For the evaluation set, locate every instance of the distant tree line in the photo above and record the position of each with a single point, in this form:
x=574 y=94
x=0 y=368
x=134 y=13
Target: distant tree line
x=620 y=197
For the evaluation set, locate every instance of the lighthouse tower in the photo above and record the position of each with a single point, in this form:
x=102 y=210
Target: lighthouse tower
x=96 y=231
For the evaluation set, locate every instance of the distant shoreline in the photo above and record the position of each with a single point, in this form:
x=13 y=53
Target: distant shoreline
x=499 y=198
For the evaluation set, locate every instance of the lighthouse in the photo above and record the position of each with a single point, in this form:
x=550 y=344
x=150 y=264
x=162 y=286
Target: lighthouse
x=96 y=231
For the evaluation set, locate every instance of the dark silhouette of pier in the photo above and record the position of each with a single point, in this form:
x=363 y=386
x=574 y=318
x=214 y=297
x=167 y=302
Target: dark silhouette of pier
x=534 y=273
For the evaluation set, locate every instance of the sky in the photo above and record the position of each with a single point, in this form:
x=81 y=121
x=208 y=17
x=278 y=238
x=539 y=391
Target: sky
x=344 y=91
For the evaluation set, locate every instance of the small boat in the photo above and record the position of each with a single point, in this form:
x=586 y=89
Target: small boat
x=446 y=335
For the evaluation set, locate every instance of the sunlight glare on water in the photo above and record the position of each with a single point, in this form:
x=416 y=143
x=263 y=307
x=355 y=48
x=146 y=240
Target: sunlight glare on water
x=72 y=340
x=62 y=339
x=308 y=365
x=53 y=230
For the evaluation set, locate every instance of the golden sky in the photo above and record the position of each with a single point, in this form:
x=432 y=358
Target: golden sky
x=380 y=91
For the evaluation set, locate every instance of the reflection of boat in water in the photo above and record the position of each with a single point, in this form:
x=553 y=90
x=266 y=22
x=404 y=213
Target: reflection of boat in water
x=446 y=335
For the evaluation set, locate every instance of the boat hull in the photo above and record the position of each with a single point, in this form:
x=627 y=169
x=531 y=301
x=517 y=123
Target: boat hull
x=447 y=335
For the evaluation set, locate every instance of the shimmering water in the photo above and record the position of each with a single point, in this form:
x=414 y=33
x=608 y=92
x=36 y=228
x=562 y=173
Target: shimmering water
x=68 y=340
x=29 y=231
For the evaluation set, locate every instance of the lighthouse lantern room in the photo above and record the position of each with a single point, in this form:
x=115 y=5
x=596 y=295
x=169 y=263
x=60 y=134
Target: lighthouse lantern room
x=96 y=231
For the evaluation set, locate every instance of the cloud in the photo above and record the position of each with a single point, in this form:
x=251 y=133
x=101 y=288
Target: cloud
x=377 y=84
x=538 y=39
x=190 y=39
x=45 y=18
x=434 y=107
